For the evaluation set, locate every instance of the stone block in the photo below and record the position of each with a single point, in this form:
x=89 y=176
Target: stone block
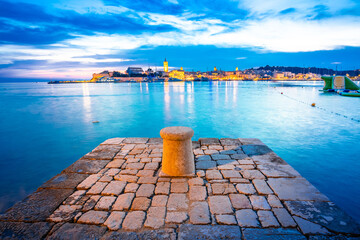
x=145 y=190
x=226 y=219
x=123 y=201
x=272 y=234
x=37 y=206
x=77 y=231
x=187 y=232
x=262 y=187
x=245 y=188
x=259 y=202
x=267 y=219
x=97 y=188
x=199 y=213
x=114 y=188
x=223 y=188
x=284 y=217
x=65 y=180
x=159 y=201
x=64 y=213
x=135 y=140
x=239 y=201
x=24 y=231
x=176 y=217
x=204 y=165
x=162 y=188
x=140 y=204
x=295 y=189
x=155 y=217
x=113 y=222
x=213 y=174
x=247 y=218
x=93 y=217
x=133 y=220
x=209 y=141
x=177 y=202
x=220 y=205
x=105 y=203
x=197 y=193
x=179 y=187
x=84 y=166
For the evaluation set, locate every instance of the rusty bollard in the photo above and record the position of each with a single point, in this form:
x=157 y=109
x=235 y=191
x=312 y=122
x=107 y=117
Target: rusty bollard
x=178 y=157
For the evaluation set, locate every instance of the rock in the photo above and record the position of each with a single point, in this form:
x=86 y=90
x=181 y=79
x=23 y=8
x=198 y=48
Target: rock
x=220 y=205
x=197 y=193
x=126 y=178
x=200 y=173
x=136 y=166
x=278 y=170
x=226 y=219
x=176 y=217
x=114 y=188
x=247 y=218
x=272 y=234
x=145 y=190
x=295 y=189
x=123 y=201
x=114 y=220
x=77 y=231
x=284 y=217
x=245 y=188
x=177 y=202
x=133 y=220
x=199 y=213
x=239 y=201
x=24 y=231
x=259 y=203
x=93 y=217
x=151 y=166
x=116 y=163
x=37 y=206
x=145 y=173
x=188 y=232
x=267 y=219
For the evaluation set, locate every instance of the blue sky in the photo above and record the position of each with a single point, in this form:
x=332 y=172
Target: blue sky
x=63 y=39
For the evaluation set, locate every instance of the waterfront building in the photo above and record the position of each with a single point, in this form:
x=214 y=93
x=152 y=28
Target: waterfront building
x=134 y=70
x=166 y=66
x=178 y=74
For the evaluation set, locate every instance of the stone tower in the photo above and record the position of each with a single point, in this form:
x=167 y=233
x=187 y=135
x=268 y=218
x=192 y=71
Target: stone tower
x=166 y=66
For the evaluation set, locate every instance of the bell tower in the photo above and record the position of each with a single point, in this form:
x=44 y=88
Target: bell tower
x=166 y=66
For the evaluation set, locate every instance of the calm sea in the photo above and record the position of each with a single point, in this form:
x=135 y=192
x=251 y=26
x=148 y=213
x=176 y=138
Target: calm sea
x=45 y=128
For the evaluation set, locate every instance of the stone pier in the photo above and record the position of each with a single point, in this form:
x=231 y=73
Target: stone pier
x=242 y=190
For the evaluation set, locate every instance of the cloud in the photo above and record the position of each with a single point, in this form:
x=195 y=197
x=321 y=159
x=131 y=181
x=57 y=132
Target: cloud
x=241 y=58
x=336 y=63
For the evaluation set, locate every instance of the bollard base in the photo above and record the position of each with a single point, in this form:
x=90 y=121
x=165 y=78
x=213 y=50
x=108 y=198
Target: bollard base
x=162 y=174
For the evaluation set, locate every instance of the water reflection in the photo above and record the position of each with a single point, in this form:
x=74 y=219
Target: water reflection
x=86 y=103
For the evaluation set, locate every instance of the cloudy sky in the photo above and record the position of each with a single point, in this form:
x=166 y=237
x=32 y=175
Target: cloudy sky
x=62 y=39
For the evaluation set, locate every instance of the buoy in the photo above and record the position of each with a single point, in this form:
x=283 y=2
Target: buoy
x=313 y=104
x=95 y=122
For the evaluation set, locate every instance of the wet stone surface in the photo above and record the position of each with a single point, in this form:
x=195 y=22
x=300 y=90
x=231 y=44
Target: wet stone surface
x=242 y=190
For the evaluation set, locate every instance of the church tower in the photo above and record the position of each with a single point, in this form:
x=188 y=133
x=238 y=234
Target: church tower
x=166 y=66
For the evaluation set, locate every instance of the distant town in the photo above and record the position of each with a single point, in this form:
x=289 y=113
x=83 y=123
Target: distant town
x=267 y=73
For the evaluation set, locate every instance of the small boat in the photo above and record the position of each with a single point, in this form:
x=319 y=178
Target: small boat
x=342 y=85
x=349 y=93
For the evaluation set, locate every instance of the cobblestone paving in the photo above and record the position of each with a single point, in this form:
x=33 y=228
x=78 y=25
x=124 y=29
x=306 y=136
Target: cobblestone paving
x=242 y=190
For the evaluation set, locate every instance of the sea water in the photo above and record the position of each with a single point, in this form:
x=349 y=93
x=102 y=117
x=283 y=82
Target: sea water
x=45 y=128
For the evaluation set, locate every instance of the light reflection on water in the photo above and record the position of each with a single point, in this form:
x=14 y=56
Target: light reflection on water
x=45 y=128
